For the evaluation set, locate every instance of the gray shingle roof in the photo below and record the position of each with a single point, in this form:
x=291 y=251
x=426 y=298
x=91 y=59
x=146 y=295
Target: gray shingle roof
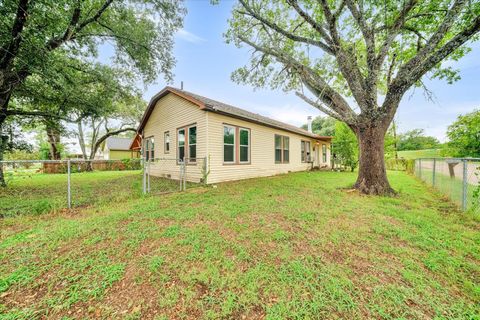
x=221 y=107
x=114 y=143
x=211 y=105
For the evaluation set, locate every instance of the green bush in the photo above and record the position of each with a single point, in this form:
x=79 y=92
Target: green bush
x=407 y=165
x=132 y=164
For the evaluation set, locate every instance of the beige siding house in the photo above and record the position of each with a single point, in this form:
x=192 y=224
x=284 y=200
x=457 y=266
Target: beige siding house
x=230 y=142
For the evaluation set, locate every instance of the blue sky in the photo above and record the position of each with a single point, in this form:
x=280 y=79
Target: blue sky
x=205 y=62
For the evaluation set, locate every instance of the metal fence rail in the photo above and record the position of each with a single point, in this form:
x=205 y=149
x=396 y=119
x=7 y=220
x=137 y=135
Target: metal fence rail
x=457 y=178
x=39 y=186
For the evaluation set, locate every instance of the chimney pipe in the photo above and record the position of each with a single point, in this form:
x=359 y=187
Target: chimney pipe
x=309 y=123
x=181 y=85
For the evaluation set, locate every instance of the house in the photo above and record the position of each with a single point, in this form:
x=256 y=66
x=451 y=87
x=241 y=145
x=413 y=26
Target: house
x=230 y=142
x=119 y=148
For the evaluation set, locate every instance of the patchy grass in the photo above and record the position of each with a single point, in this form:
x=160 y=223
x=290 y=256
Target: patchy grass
x=293 y=246
x=415 y=154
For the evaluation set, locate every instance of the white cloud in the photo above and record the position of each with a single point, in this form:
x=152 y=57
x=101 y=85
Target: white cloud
x=189 y=37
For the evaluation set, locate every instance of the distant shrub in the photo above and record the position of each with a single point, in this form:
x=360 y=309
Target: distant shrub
x=407 y=165
x=132 y=164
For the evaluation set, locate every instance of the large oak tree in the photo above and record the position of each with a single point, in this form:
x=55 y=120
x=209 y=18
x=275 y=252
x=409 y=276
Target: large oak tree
x=353 y=60
x=33 y=31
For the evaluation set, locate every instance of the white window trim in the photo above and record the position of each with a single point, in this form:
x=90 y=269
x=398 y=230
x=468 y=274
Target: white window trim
x=229 y=144
x=240 y=145
x=193 y=144
x=184 y=144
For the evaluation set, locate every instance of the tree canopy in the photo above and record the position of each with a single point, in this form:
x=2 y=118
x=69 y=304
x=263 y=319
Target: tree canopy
x=416 y=140
x=353 y=60
x=36 y=36
x=345 y=146
x=324 y=126
x=464 y=136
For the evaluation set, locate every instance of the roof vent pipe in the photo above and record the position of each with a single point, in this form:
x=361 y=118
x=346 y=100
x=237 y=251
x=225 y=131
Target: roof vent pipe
x=181 y=85
x=309 y=124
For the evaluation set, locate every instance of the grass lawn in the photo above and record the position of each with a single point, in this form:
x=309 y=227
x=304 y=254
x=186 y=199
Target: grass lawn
x=415 y=154
x=34 y=193
x=453 y=189
x=287 y=247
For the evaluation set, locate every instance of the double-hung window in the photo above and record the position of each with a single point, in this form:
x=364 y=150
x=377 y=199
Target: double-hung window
x=324 y=153
x=282 y=149
x=181 y=144
x=244 y=145
x=192 y=144
x=236 y=145
x=149 y=149
x=229 y=144
x=187 y=144
x=166 y=138
x=305 y=151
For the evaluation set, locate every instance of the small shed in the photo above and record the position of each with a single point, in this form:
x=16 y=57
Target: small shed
x=119 y=148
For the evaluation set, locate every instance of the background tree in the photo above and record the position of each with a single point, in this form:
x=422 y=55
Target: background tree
x=345 y=146
x=33 y=32
x=416 y=140
x=464 y=136
x=324 y=126
x=356 y=59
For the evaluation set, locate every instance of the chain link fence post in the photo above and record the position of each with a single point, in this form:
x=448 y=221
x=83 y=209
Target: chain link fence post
x=69 y=187
x=144 y=182
x=434 y=169
x=148 y=176
x=420 y=168
x=464 y=185
x=184 y=175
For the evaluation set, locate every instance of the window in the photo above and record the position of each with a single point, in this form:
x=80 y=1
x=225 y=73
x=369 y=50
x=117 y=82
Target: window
x=282 y=149
x=305 y=151
x=324 y=153
x=181 y=144
x=187 y=144
x=228 y=144
x=192 y=144
x=244 y=145
x=236 y=145
x=166 y=137
x=286 y=149
x=149 y=149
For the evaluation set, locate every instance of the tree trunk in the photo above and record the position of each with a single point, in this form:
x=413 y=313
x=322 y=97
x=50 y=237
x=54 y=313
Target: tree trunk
x=372 y=175
x=81 y=139
x=4 y=100
x=53 y=137
x=3 y=144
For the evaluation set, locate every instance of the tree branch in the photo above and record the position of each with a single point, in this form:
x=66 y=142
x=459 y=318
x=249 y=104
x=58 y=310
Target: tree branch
x=318 y=27
x=74 y=28
x=67 y=35
x=283 y=32
x=16 y=112
x=106 y=136
x=315 y=82
x=327 y=110
x=10 y=51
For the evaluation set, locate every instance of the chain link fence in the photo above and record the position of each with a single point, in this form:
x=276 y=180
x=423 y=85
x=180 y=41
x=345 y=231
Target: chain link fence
x=41 y=186
x=457 y=178
x=164 y=175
